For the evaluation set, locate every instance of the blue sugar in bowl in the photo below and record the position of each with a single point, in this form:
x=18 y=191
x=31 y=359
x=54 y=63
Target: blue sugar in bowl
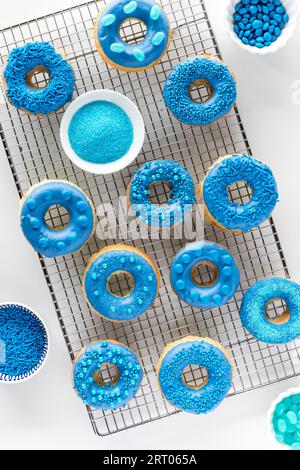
x=24 y=343
x=261 y=27
x=284 y=419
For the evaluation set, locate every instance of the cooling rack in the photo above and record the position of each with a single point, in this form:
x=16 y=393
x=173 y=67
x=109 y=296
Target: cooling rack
x=34 y=153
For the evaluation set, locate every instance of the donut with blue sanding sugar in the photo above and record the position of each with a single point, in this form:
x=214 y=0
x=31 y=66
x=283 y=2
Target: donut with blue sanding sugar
x=235 y=216
x=203 y=352
x=279 y=330
x=60 y=241
x=204 y=70
x=132 y=57
x=113 y=260
x=182 y=194
x=21 y=66
x=184 y=280
x=93 y=389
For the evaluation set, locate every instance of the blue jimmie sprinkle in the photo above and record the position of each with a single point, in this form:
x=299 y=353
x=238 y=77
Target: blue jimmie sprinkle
x=23 y=340
x=100 y=132
x=259 y=23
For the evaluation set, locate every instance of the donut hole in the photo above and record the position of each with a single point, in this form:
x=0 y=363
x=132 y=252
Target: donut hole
x=201 y=91
x=107 y=375
x=120 y=284
x=277 y=312
x=194 y=376
x=205 y=274
x=133 y=31
x=160 y=192
x=38 y=78
x=57 y=217
x=239 y=192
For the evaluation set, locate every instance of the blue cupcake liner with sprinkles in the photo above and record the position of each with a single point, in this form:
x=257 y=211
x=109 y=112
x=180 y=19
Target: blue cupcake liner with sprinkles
x=24 y=343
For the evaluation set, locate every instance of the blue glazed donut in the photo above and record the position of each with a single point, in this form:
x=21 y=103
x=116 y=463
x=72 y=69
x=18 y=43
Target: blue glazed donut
x=233 y=216
x=182 y=193
x=282 y=329
x=205 y=70
x=36 y=203
x=205 y=353
x=112 y=260
x=132 y=57
x=226 y=275
x=38 y=56
x=88 y=383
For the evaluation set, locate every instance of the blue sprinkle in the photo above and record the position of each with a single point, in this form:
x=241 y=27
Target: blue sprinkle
x=139 y=55
x=117 y=47
x=158 y=38
x=130 y=7
x=108 y=20
x=155 y=13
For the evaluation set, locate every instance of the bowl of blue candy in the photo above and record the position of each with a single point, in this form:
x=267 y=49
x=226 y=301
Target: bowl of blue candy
x=261 y=26
x=284 y=419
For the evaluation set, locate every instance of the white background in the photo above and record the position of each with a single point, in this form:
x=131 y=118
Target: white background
x=44 y=412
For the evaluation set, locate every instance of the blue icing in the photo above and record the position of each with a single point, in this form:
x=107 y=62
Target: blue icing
x=141 y=297
x=205 y=297
x=102 y=395
x=149 y=50
x=254 y=305
x=25 y=342
x=177 y=96
x=182 y=192
x=23 y=60
x=260 y=179
x=195 y=352
x=45 y=240
x=130 y=7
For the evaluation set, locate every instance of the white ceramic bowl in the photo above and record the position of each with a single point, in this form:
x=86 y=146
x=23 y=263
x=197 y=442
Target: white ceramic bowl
x=134 y=115
x=286 y=394
x=16 y=380
x=292 y=9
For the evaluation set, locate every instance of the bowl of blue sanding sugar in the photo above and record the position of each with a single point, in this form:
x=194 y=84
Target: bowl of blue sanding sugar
x=102 y=132
x=261 y=26
x=24 y=343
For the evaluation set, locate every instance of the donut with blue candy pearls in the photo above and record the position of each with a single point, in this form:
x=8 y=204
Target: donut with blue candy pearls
x=36 y=203
x=282 y=329
x=235 y=216
x=120 y=259
x=38 y=57
x=223 y=285
x=182 y=194
x=203 y=352
x=200 y=70
x=132 y=57
x=91 y=387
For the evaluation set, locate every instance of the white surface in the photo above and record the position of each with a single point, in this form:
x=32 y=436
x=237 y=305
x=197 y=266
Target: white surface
x=44 y=412
x=132 y=112
x=291 y=7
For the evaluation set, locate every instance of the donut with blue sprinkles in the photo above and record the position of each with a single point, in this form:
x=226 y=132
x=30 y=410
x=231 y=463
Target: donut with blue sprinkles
x=231 y=215
x=219 y=290
x=130 y=261
x=62 y=241
x=201 y=70
x=279 y=330
x=132 y=57
x=38 y=57
x=93 y=389
x=181 y=196
x=202 y=352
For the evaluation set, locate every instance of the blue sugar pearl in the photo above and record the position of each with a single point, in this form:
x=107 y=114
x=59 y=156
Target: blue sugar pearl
x=257 y=24
x=100 y=132
x=267 y=36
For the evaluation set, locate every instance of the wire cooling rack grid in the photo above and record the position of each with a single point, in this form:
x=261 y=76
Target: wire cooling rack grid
x=34 y=152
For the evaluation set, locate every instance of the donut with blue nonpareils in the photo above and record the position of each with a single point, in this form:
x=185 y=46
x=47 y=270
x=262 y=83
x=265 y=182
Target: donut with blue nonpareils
x=205 y=71
x=91 y=386
x=61 y=241
x=23 y=63
x=279 y=330
x=132 y=57
x=202 y=352
x=219 y=290
x=130 y=261
x=235 y=216
x=182 y=194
